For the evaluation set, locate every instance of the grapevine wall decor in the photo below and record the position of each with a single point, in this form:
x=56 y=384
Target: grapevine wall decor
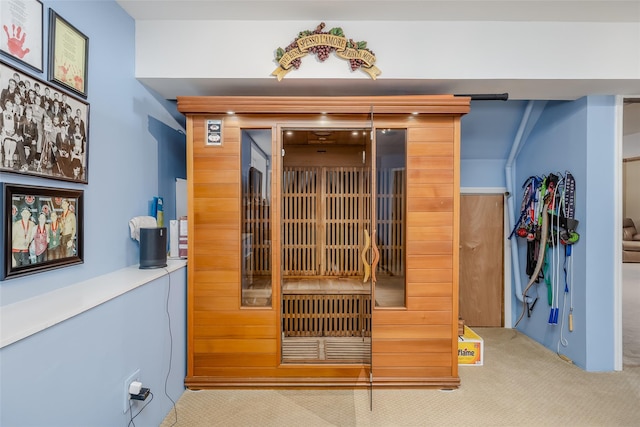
x=322 y=43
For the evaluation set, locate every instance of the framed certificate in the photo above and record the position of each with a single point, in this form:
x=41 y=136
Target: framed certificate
x=68 y=55
x=21 y=31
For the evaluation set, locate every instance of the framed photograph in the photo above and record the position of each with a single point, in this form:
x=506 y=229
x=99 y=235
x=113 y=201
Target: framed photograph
x=42 y=228
x=68 y=55
x=21 y=34
x=43 y=130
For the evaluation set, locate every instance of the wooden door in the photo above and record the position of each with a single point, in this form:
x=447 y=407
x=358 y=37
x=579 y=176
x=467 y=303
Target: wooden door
x=481 y=259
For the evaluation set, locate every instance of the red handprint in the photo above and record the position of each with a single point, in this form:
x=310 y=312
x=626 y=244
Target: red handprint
x=61 y=74
x=15 y=41
x=78 y=82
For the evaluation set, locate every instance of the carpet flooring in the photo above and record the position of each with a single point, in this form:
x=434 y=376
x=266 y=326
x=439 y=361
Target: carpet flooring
x=521 y=384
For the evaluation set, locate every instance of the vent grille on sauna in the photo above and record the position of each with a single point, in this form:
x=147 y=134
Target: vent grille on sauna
x=300 y=349
x=318 y=350
x=350 y=349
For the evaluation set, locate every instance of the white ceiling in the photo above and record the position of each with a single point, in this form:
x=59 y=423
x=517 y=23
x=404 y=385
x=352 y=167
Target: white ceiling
x=388 y=10
x=398 y=10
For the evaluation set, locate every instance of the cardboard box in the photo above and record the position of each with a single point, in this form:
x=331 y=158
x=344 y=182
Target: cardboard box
x=183 y=238
x=470 y=348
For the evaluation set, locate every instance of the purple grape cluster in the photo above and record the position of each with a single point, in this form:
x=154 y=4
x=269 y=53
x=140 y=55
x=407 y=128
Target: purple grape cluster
x=355 y=64
x=296 y=62
x=322 y=52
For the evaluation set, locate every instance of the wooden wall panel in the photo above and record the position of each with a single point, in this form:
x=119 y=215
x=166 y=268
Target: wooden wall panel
x=432 y=303
x=394 y=345
x=435 y=176
x=429 y=248
x=211 y=331
x=235 y=360
x=426 y=376
x=428 y=233
x=235 y=345
x=443 y=289
x=221 y=276
x=287 y=376
x=216 y=288
x=221 y=334
x=430 y=280
x=431 y=261
x=431 y=219
x=430 y=190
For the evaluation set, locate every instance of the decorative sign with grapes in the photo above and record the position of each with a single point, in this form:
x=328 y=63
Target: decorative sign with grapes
x=322 y=44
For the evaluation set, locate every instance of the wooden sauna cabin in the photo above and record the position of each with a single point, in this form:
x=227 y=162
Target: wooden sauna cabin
x=323 y=241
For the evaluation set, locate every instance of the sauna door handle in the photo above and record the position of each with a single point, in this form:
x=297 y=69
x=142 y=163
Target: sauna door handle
x=376 y=256
x=363 y=255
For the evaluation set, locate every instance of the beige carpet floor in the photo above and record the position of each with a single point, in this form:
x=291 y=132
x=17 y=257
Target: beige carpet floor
x=521 y=384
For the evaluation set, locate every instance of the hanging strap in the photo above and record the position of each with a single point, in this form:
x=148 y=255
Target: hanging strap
x=530 y=187
x=569 y=195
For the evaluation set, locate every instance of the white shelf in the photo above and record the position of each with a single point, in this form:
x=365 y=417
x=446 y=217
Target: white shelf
x=24 y=318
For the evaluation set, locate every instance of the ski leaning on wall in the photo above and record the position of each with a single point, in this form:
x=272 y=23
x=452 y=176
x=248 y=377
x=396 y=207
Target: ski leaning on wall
x=547 y=223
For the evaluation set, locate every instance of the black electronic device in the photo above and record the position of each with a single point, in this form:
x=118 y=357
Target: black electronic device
x=153 y=247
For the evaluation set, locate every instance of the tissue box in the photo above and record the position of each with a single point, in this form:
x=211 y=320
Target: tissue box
x=173 y=238
x=470 y=348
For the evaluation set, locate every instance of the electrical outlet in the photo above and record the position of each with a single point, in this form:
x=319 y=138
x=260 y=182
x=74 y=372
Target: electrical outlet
x=131 y=378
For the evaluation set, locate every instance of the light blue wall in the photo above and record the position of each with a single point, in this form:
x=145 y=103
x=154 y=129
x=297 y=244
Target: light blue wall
x=482 y=173
x=578 y=137
x=135 y=153
x=487 y=134
x=599 y=231
x=128 y=128
x=73 y=373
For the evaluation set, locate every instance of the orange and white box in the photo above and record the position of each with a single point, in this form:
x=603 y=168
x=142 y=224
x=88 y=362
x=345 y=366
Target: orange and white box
x=470 y=348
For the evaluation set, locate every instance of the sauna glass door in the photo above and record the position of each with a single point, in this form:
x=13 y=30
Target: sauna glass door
x=390 y=217
x=256 y=218
x=326 y=221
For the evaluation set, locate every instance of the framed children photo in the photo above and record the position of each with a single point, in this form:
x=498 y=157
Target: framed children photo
x=68 y=55
x=43 y=130
x=21 y=33
x=43 y=229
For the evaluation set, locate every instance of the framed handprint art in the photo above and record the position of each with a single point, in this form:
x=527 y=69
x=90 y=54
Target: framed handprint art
x=21 y=31
x=68 y=55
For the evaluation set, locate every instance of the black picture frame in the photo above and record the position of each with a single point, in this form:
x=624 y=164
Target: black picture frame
x=68 y=55
x=22 y=33
x=61 y=149
x=43 y=229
